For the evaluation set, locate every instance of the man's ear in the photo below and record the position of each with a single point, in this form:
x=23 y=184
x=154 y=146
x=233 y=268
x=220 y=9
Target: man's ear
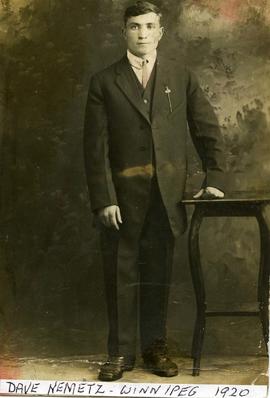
x=124 y=32
x=161 y=31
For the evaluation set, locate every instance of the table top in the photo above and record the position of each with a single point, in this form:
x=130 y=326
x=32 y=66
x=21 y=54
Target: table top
x=235 y=197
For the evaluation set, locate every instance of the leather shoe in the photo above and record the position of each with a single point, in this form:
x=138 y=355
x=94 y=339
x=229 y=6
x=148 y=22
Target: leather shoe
x=114 y=367
x=160 y=364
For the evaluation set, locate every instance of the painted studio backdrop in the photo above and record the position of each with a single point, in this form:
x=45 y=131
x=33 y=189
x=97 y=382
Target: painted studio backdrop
x=51 y=282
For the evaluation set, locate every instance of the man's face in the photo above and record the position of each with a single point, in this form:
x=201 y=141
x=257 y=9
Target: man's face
x=143 y=33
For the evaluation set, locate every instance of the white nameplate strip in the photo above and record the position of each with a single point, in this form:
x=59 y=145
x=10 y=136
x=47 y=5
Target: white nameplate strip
x=99 y=389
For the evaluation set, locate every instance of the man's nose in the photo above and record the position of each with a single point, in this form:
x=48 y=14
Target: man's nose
x=142 y=33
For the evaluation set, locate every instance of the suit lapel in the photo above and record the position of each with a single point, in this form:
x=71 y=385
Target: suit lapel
x=160 y=99
x=163 y=82
x=125 y=83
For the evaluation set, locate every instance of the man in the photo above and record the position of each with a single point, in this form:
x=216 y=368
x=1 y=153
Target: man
x=135 y=156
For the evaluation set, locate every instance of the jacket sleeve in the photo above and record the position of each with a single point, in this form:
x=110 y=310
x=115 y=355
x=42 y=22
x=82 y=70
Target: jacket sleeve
x=205 y=133
x=96 y=149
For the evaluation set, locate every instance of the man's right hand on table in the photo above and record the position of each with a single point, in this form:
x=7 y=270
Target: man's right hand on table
x=110 y=216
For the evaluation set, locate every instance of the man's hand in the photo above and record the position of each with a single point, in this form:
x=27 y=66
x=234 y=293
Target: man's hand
x=209 y=193
x=110 y=216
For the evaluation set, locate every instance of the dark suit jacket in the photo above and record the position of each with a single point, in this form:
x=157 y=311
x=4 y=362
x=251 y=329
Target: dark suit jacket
x=120 y=138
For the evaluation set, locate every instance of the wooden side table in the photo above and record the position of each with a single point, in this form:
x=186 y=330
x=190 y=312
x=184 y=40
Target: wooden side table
x=237 y=205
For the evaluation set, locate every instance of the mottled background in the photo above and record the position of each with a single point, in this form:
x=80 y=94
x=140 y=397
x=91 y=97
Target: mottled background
x=51 y=287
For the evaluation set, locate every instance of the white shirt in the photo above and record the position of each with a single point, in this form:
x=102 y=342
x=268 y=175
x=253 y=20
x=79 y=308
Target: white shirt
x=137 y=63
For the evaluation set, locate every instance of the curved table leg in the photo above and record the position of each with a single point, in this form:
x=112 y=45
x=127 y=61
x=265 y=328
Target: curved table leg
x=198 y=283
x=263 y=283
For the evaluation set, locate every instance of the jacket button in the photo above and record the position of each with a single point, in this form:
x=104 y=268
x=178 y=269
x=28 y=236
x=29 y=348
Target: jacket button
x=145 y=101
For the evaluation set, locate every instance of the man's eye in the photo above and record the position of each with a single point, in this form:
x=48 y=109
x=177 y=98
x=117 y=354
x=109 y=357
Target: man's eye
x=150 y=27
x=133 y=27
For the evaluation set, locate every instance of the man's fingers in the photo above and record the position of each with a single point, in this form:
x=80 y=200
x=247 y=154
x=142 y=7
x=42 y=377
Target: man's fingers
x=199 y=194
x=118 y=215
x=209 y=193
x=106 y=219
x=215 y=192
x=112 y=218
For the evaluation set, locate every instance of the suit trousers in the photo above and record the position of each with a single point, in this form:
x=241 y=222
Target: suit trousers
x=137 y=279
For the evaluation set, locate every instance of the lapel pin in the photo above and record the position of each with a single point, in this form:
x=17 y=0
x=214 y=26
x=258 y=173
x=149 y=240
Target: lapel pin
x=167 y=92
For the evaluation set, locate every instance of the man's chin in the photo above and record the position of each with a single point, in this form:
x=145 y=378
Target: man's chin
x=142 y=52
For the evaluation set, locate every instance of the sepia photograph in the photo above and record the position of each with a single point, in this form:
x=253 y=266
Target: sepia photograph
x=135 y=198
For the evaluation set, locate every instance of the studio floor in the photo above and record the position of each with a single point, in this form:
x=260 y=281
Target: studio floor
x=214 y=370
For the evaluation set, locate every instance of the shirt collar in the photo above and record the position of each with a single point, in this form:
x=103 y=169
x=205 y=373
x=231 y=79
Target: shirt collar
x=137 y=62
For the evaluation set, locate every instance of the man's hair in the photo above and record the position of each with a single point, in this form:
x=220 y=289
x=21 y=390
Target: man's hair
x=140 y=8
